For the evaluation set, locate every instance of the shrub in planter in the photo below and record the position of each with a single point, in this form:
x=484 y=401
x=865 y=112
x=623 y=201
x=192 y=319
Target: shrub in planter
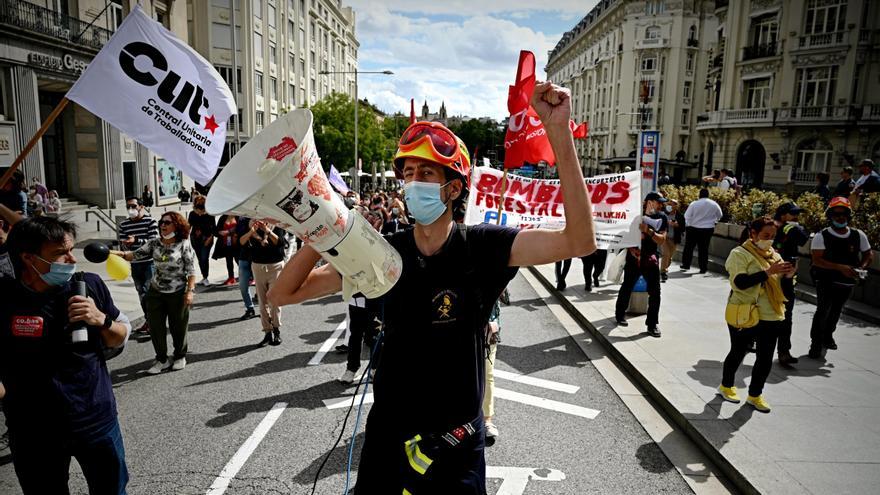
x=756 y=203
x=813 y=216
x=865 y=217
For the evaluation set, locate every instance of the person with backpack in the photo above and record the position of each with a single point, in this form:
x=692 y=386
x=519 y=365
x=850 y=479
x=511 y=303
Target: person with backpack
x=841 y=256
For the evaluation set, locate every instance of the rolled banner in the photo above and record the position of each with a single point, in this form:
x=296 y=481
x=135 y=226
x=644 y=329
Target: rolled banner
x=278 y=177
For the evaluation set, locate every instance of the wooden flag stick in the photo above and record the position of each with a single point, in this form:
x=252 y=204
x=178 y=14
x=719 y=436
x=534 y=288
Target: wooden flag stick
x=27 y=149
x=501 y=199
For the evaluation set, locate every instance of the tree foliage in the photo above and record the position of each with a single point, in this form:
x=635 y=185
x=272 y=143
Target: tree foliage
x=334 y=133
x=483 y=135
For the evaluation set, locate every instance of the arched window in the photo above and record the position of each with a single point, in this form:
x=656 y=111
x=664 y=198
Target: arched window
x=652 y=33
x=692 y=33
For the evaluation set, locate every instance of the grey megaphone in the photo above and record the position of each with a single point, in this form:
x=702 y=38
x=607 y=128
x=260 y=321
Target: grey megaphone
x=278 y=176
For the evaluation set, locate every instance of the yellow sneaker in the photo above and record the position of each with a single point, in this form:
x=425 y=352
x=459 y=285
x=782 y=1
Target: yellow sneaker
x=759 y=403
x=729 y=394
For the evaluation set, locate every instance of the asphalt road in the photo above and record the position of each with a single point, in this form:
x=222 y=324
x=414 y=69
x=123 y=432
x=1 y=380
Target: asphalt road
x=181 y=429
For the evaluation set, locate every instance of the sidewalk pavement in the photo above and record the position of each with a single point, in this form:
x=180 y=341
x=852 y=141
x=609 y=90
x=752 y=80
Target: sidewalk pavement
x=822 y=436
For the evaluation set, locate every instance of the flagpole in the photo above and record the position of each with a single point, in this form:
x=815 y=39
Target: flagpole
x=30 y=145
x=501 y=198
x=234 y=78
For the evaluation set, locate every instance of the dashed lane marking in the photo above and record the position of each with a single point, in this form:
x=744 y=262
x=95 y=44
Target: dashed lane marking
x=536 y=382
x=327 y=345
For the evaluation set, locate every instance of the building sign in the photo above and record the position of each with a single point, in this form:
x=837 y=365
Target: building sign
x=169 y=180
x=68 y=63
x=647 y=158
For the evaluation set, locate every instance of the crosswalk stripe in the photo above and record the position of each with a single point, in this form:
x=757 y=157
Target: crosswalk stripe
x=537 y=382
x=342 y=402
x=327 y=345
x=552 y=405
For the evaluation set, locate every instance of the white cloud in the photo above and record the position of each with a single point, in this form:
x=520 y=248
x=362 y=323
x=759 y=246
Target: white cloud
x=468 y=62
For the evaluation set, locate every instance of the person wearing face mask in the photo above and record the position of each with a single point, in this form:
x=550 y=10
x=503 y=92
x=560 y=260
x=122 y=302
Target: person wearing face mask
x=170 y=295
x=425 y=430
x=134 y=232
x=675 y=221
x=790 y=236
x=841 y=256
x=643 y=261
x=59 y=399
x=755 y=270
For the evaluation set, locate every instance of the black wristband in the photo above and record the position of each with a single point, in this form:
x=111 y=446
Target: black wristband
x=108 y=321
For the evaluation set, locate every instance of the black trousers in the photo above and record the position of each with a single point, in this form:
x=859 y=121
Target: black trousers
x=562 y=268
x=784 y=344
x=363 y=329
x=594 y=265
x=631 y=271
x=693 y=238
x=830 y=297
x=764 y=334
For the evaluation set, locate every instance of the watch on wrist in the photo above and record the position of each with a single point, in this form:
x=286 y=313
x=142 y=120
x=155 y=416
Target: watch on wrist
x=108 y=321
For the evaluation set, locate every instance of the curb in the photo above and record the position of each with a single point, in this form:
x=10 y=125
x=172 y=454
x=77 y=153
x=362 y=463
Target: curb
x=725 y=466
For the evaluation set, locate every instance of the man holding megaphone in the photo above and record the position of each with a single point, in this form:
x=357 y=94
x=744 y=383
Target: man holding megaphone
x=424 y=433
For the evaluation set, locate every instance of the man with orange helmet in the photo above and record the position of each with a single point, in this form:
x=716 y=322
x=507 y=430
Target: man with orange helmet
x=424 y=434
x=841 y=256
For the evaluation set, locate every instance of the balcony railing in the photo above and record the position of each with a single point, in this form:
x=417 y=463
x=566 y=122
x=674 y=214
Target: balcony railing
x=718 y=61
x=693 y=43
x=810 y=114
x=651 y=43
x=821 y=40
x=871 y=112
x=760 y=51
x=743 y=117
x=803 y=176
x=30 y=17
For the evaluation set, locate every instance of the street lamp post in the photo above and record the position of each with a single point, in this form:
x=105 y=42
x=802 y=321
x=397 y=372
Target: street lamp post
x=356 y=181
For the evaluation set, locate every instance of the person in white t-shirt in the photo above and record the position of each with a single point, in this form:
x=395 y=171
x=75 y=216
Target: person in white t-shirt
x=700 y=218
x=841 y=256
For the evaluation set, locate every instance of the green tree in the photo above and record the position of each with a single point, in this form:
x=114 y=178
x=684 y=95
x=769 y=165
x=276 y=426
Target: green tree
x=334 y=133
x=484 y=138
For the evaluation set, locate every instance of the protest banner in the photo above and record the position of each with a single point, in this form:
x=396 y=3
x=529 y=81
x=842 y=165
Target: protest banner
x=528 y=203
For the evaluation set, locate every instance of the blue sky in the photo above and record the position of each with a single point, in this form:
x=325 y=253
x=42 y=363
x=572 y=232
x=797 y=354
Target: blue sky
x=463 y=52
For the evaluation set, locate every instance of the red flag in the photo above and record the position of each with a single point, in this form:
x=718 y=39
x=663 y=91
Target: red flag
x=578 y=131
x=412 y=111
x=525 y=140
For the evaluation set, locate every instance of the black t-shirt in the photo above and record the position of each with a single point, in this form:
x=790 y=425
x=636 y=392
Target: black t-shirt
x=432 y=370
x=649 y=247
x=788 y=239
x=52 y=384
x=203 y=226
x=270 y=253
x=242 y=227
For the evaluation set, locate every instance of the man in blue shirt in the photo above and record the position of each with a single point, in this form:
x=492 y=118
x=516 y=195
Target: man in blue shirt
x=59 y=400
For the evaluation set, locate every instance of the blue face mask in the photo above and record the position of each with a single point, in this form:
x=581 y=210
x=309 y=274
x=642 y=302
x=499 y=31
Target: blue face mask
x=58 y=274
x=423 y=201
x=839 y=225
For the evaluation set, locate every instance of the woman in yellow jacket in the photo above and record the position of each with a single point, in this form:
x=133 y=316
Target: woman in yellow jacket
x=755 y=270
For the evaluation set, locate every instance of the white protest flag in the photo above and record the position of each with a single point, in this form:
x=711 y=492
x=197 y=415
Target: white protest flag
x=155 y=88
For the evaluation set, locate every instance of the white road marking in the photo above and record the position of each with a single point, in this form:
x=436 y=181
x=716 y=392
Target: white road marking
x=327 y=345
x=500 y=393
x=515 y=479
x=552 y=405
x=244 y=452
x=537 y=382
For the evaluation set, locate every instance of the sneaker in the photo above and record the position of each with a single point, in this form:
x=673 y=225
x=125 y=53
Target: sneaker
x=347 y=377
x=230 y=282
x=205 y=282
x=729 y=394
x=654 y=332
x=143 y=329
x=759 y=403
x=179 y=364
x=621 y=321
x=276 y=337
x=267 y=339
x=685 y=268
x=248 y=313
x=491 y=433
x=664 y=277
x=831 y=344
x=341 y=349
x=588 y=288
x=159 y=366
x=560 y=286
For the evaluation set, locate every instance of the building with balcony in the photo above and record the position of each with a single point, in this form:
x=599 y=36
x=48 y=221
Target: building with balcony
x=44 y=46
x=795 y=92
x=282 y=46
x=634 y=65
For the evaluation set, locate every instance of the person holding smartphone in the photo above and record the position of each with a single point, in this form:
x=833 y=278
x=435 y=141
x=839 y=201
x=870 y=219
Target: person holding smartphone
x=790 y=236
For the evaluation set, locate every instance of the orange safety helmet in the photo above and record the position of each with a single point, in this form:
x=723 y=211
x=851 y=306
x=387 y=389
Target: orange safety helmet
x=838 y=202
x=434 y=142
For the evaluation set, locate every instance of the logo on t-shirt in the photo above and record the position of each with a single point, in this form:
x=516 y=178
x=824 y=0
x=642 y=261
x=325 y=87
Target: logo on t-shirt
x=27 y=326
x=445 y=306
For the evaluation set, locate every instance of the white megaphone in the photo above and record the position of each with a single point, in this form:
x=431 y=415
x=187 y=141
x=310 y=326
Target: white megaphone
x=278 y=176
